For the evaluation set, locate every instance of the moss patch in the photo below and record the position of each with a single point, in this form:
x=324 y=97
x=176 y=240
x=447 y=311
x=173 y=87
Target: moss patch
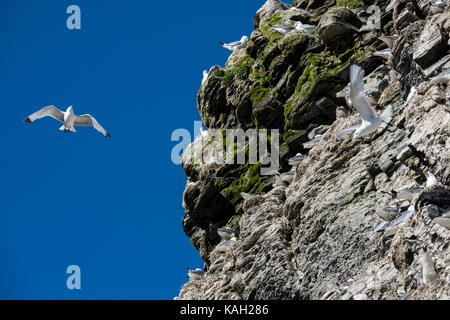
x=240 y=71
x=351 y=4
x=318 y=67
x=250 y=182
x=258 y=92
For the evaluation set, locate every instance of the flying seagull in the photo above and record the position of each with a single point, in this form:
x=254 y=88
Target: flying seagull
x=371 y=122
x=69 y=119
x=233 y=46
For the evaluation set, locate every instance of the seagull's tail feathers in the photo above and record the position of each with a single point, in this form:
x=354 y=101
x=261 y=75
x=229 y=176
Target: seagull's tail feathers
x=356 y=73
x=385 y=117
x=64 y=128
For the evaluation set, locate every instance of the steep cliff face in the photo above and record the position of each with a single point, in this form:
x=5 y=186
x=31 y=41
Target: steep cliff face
x=308 y=239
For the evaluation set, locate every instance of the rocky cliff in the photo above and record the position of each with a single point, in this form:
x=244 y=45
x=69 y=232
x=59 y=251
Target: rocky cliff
x=324 y=235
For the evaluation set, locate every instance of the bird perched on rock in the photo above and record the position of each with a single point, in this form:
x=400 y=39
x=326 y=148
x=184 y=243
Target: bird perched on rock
x=225 y=233
x=204 y=133
x=311 y=143
x=288 y=177
x=385 y=53
x=443 y=221
x=428 y=271
x=205 y=76
x=246 y=196
x=431 y=179
x=442 y=77
x=68 y=118
x=196 y=274
x=411 y=94
x=410 y=193
x=388 y=213
x=224 y=245
x=286 y=28
x=371 y=122
x=341 y=112
x=398 y=223
x=297 y=159
x=437 y=7
x=389 y=40
x=312 y=15
x=233 y=46
x=308 y=28
x=278 y=182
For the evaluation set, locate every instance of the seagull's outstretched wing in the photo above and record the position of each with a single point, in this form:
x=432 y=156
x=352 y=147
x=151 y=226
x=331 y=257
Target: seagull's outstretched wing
x=345 y=133
x=88 y=120
x=50 y=111
x=358 y=95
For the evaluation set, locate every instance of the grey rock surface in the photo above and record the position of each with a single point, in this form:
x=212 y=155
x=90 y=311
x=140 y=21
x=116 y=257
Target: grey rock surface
x=320 y=237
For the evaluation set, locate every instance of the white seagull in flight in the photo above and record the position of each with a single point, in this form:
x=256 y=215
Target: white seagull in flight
x=69 y=119
x=371 y=122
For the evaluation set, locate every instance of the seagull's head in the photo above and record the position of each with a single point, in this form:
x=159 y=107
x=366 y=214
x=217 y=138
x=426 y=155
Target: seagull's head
x=70 y=108
x=298 y=24
x=244 y=39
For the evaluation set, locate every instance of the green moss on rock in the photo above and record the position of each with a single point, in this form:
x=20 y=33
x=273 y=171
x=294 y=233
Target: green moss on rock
x=250 y=182
x=258 y=92
x=240 y=71
x=351 y=4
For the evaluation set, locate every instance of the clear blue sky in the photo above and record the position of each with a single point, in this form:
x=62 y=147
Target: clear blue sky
x=109 y=206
